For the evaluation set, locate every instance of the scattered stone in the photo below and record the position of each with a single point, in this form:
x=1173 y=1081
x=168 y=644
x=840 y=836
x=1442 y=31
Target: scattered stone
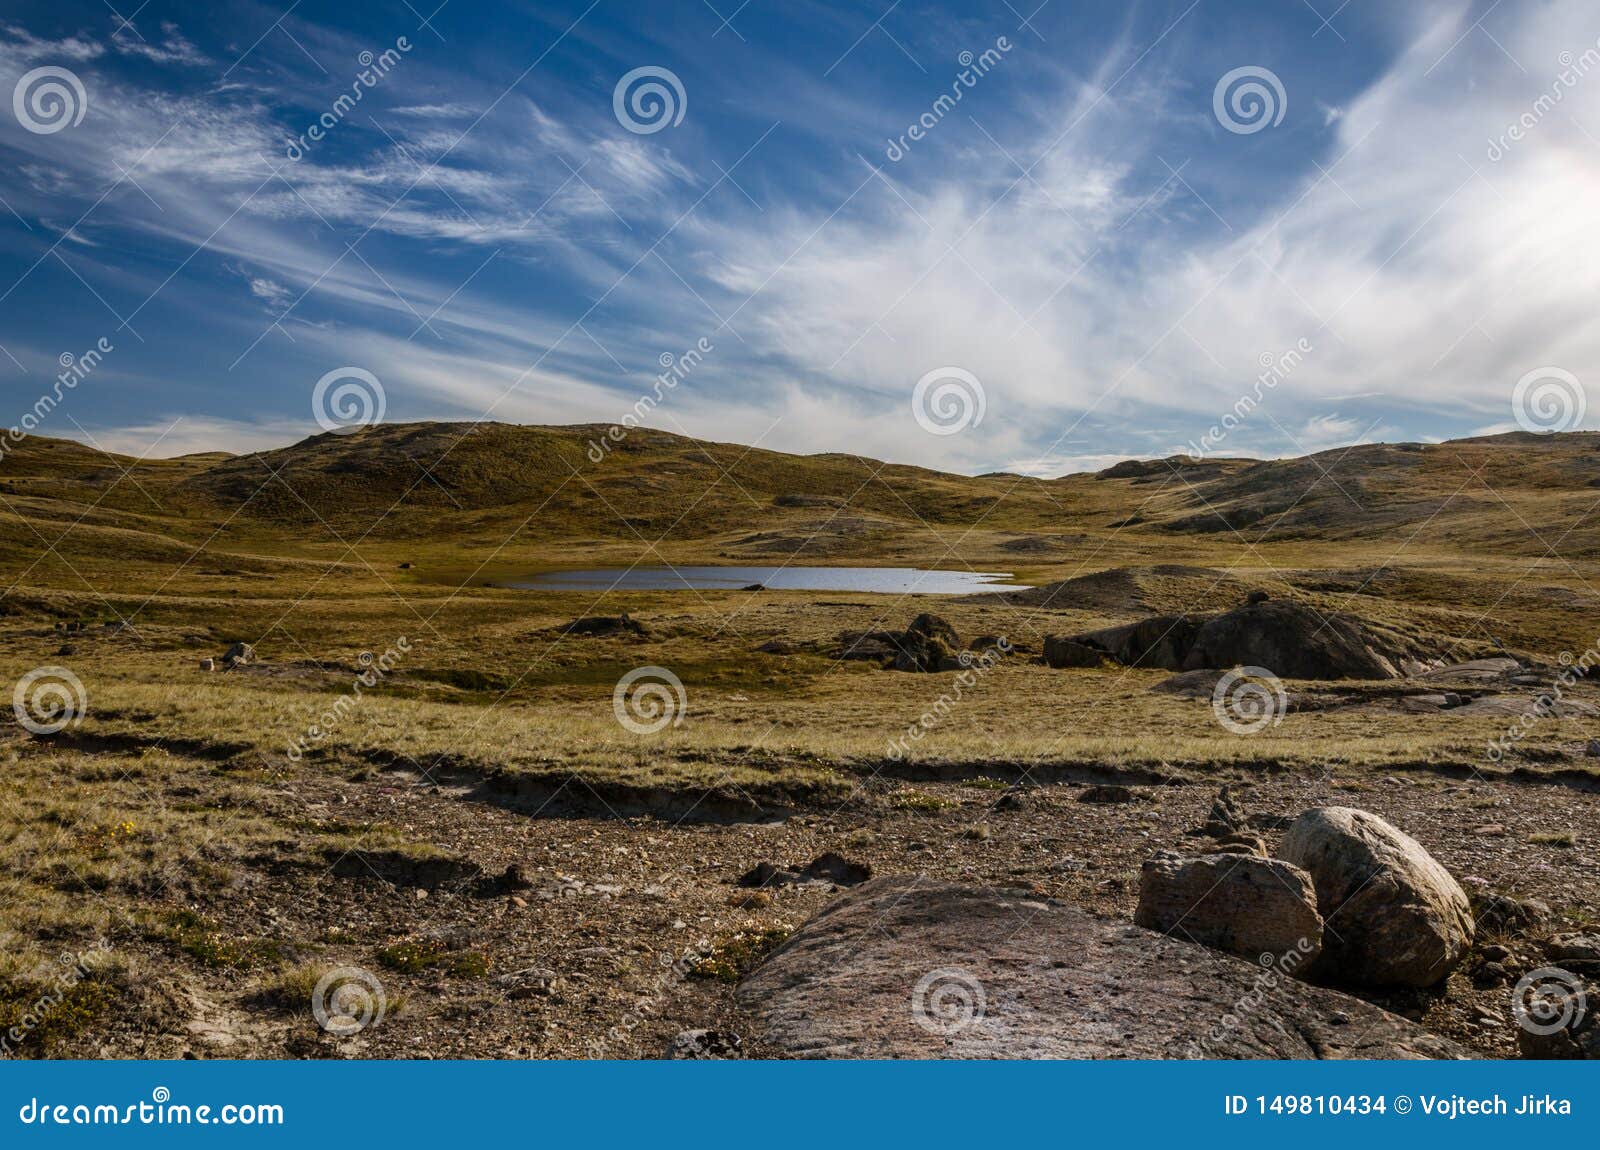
x=1108 y=793
x=1556 y=1019
x=1239 y=844
x=993 y=643
x=1227 y=817
x=1201 y=684
x=1489 y=974
x=1502 y=914
x=1491 y=830
x=753 y=587
x=1014 y=799
x=425 y=871
x=507 y=881
x=705 y=1044
x=1574 y=947
x=928 y=644
x=835 y=868
x=530 y=982
x=623 y=624
x=238 y=654
x=828 y=867
x=1516 y=706
x=776 y=647
x=880 y=646
x=765 y=874
x=903 y=967
x=1245 y=905
x=1256 y=597
x=1394 y=916
x=66 y=649
x=208 y=664
x=1476 y=670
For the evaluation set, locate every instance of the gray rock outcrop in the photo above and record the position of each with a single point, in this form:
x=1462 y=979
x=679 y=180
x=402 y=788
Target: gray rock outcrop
x=907 y=967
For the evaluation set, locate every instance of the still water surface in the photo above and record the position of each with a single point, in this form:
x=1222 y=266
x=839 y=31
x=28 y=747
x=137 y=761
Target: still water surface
x=889 y=580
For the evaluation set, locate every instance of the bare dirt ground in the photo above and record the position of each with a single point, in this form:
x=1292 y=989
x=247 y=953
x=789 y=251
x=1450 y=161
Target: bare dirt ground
x=574 y=960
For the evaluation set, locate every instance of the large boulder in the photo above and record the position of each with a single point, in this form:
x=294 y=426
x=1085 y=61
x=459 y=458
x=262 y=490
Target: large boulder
x=1393 y=916
x=1258 y=908
x=908 y=967
x=1160 y=641
x=1063 y=652
x=929 y=644
x=1291 y=640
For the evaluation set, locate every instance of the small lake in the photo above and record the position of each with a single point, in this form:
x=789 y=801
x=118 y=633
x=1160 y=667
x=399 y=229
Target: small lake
x=886 y=580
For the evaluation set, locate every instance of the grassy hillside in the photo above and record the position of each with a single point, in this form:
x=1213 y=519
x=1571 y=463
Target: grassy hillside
x=231 y=835
x=413 y=481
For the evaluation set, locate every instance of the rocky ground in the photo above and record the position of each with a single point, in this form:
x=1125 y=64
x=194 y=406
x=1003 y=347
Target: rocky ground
x=576 y=953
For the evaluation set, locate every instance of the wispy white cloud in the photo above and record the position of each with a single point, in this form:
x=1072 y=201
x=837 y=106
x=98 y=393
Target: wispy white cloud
x=174 y=48
x=1114 y=298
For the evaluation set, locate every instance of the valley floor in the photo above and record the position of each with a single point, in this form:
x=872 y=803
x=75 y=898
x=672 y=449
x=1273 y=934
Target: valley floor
x=524 y=876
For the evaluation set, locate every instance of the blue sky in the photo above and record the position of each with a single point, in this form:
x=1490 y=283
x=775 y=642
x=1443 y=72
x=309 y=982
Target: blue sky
x=1082 y=238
